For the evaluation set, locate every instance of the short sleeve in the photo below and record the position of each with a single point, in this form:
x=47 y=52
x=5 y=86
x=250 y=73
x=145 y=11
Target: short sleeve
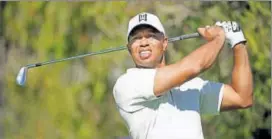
x=211 y=97
x=133 y=89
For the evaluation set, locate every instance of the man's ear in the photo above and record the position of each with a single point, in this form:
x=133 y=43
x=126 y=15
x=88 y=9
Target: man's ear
x=165 y=43
x=128 y=49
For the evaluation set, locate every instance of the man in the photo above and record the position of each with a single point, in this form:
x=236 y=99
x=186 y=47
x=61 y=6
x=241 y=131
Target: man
x=160 y=101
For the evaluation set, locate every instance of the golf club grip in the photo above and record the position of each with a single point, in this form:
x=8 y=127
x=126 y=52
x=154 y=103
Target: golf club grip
x=182 y=37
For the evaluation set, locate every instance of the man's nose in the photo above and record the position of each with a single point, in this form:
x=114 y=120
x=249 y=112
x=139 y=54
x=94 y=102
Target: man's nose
x=144 y=42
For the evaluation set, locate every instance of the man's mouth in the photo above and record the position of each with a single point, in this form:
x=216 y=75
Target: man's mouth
x=145 y=54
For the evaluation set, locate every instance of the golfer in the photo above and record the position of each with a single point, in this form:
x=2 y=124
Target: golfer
x=166 y=101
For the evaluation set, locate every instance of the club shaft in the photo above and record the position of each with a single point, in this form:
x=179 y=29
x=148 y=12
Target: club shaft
x=182 y=37
x=76 y=57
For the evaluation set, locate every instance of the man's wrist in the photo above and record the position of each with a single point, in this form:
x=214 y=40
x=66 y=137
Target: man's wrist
x=219 y=39
x=240 y=45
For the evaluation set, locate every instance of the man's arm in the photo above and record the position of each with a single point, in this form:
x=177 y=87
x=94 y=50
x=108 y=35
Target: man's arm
x=193 y=64
x=239 y=94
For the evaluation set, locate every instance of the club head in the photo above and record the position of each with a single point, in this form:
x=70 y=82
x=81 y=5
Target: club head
x=21 y=77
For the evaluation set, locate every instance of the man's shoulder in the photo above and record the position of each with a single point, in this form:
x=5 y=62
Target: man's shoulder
x=124 y=78
x=134 y=74
x=195 y=83
x=196 y=80
x=121 y=79
x=122 y=86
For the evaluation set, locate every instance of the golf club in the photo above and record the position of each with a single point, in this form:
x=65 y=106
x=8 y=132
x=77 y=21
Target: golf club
x=21 y=77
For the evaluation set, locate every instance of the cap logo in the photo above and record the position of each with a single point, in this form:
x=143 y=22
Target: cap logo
x=142 y=17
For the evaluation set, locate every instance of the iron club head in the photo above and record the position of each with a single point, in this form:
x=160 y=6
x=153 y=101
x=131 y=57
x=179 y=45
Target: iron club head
x=21 y=77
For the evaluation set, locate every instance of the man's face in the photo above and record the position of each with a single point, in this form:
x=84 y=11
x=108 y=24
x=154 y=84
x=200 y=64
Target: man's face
x=147 y=46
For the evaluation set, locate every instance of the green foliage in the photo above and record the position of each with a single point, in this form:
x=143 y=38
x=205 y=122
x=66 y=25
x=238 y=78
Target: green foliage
x=74 y=99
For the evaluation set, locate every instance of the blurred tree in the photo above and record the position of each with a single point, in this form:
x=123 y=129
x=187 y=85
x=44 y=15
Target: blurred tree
x=3 y=55
x=74 y=99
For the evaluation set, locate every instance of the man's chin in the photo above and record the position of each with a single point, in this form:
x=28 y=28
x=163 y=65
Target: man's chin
x=145 y=66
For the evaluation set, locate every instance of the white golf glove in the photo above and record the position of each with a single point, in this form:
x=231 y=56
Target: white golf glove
x=233 y=32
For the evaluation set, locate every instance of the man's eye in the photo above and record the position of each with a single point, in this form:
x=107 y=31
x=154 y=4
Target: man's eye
x=149 y=35
x=135 y=38
x=154 y=36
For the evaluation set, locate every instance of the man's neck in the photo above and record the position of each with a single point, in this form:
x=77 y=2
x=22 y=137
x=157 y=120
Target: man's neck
x=159 y=65
x=163 y=63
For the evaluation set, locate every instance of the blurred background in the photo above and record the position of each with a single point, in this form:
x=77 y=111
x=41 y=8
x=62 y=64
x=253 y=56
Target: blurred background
x=73 y=100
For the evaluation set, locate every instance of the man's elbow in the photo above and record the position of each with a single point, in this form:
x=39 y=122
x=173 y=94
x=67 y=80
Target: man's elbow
x=247 y=103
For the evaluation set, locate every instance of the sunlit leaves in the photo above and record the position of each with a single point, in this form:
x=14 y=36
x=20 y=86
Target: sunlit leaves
x=74 y=99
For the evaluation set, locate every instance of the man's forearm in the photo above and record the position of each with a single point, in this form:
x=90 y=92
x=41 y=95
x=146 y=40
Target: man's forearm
x=189 y=67
x=205 y=56
x=242 y=81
